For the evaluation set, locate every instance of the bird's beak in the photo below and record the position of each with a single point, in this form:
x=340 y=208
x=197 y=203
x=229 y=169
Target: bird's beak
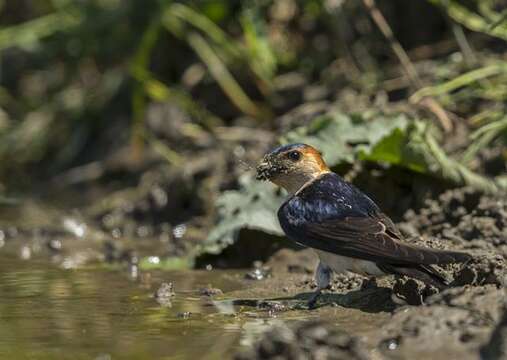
x=264 y=170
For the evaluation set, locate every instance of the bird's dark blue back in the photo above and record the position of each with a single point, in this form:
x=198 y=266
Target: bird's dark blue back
x=327 y=198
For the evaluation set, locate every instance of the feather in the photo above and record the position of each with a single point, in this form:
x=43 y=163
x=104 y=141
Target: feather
x=333 y=216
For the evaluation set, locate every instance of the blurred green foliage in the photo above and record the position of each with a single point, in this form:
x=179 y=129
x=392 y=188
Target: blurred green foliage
x=78 y=77
x=388 y=139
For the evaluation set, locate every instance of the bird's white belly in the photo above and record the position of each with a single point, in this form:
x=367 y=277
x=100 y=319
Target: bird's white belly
x=340 y=264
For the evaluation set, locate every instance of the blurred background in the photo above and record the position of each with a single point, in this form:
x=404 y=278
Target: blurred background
x=129 y=131
x=140 y=114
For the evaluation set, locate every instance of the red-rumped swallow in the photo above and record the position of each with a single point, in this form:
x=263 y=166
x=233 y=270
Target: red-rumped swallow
x=345 y=227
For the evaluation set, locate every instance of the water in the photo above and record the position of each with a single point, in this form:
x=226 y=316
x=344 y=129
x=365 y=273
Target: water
x=52 y=313
x=49 y=312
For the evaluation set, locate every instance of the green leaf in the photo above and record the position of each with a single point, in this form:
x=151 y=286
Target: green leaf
x=394 y=149
x=255 y=204
x=28 y=34
x=342 y=139
x=339 y=137
x=462 y=14
x=170 y=263
x=254 y=207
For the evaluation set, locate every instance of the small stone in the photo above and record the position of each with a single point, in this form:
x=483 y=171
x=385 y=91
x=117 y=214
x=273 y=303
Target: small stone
x=184 y=315
x=164 y=294
x=210 y=291
x=259 y=272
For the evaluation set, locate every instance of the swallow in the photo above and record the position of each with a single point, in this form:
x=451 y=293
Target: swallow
x=344 y=226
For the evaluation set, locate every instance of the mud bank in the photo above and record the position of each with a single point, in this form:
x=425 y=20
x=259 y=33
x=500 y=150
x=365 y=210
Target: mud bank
x=356 y=318
x=464 y=321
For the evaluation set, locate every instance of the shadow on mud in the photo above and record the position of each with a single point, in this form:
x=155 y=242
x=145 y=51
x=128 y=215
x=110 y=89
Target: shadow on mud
x=372 y=300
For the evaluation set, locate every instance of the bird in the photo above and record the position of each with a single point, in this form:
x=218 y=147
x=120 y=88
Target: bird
x=346 y=228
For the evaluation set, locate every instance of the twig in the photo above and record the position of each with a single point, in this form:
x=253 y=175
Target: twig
x=141 y=60
x=170 y=155
x=158 y=91
x=471 y=20
x=223 y=77
x=503 y=17
x=409 y=69
x=32 y=31
x=80 y=174
x=427 y=51
x=460 y=81
x=398 y=50
x=464 y=45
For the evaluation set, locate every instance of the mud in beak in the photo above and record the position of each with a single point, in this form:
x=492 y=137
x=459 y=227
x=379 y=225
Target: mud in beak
x=269 y=168
x=264 y=170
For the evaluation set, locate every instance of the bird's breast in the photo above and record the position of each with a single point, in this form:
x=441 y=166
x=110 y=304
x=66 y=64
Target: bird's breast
x=340 y=264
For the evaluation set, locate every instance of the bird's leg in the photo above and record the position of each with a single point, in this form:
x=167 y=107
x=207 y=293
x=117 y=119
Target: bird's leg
x=322 y=278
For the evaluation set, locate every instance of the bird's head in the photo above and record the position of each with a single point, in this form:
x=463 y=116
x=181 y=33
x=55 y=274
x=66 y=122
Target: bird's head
x=292 y=166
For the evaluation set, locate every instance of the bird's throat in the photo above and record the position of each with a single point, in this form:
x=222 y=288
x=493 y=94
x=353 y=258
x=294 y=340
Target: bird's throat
x=294 y=183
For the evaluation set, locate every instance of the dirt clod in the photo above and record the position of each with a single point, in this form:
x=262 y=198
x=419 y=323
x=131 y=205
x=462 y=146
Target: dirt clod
x=259 y=272
x=462 y=321
x=412 y=291
x=210 y=291
x=310 y=340
x=164 y=294
x=496 y=347
x=453 y=320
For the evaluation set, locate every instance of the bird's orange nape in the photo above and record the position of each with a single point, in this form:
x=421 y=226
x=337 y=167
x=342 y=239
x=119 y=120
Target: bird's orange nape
x=312 y=155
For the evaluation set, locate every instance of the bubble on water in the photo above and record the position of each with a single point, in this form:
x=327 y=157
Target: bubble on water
x=68 y=263
x=179 y=230
x=154 y=260
x=103 y=357
x=143 y=231
x=12 y=231
x=25 y=253
x=55 y=244
x=134 y=271
x=259 y=273
x=75 y=227
x=391 y=344
x=116 y=233
x=159 y=196
x=239 y=151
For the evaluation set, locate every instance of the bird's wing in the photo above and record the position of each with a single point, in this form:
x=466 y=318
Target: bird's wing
x=373 y=238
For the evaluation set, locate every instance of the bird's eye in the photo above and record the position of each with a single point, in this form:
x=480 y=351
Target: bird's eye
x=294 y=155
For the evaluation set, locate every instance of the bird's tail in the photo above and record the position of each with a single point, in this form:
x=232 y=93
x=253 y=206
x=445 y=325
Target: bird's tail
x=440 y=257
x=425 y=273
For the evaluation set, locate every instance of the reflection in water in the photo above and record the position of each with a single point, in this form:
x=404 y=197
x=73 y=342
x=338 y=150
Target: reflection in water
x=52 y=313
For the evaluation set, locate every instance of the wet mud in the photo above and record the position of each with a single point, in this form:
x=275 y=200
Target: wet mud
x=466 y=320
x=310 y=340
x=356 y=318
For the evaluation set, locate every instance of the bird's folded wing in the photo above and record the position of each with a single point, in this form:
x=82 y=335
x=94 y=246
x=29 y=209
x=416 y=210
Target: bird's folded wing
x=373 y=238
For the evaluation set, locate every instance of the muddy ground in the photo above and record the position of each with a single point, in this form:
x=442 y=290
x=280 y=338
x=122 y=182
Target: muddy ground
x=384 y=318
x=111 y=208
x=391 y=317
x=465 y=321
x=166 y=213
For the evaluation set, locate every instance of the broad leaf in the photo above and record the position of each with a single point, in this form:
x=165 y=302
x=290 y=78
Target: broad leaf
x=342 y=139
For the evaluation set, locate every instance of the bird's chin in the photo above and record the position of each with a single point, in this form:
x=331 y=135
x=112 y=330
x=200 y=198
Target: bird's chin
x=267 y=171
x=264 y=175
x=264 y=171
